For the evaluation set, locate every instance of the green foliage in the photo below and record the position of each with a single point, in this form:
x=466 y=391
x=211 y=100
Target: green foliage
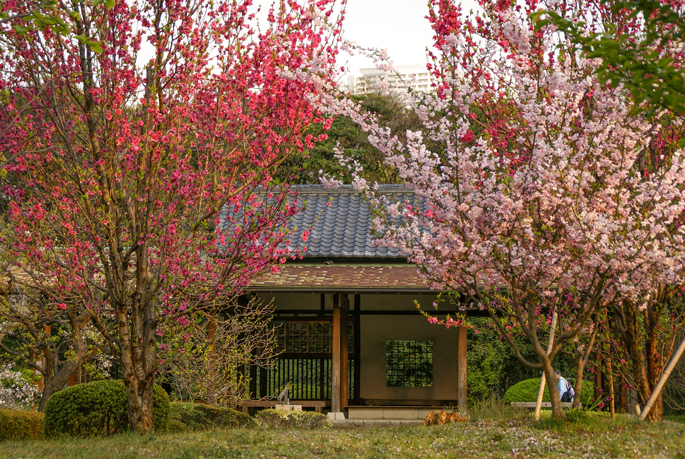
x=21 y=425
x=97 y=408
x=190 y=416
x=493 y=366
x=391 y=112
x=409 y=363
x=633 y=61
x=293 y=419
x=527 y=391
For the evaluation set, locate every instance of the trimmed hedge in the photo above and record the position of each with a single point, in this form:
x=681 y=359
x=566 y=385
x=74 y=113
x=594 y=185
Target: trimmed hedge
x=98 y=408
x=289 y=419
x=21 y=425
x=190 y=416
x=527 y=391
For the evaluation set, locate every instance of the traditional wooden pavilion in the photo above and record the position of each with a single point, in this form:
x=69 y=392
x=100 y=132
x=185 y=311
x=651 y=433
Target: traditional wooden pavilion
x=350 y=332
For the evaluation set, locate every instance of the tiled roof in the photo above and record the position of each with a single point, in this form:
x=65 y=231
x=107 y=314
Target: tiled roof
x=339 y=222
x=341 y=278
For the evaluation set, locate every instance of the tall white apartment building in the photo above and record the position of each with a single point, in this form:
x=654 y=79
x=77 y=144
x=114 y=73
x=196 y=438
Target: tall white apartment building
x=414 y=76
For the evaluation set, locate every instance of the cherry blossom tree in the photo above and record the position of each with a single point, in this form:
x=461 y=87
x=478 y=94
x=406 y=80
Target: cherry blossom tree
x=127 y=157
x=535 y=188
x=15 y=390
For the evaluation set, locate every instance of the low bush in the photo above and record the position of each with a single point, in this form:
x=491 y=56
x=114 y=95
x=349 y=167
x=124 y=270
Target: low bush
x=289 y=419
x=98 y=408
x=21 y=425
x=527 y=391
x=191 y=416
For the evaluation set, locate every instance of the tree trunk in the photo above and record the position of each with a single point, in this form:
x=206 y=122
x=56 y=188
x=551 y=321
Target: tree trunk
x=656 y=414
x=61 y=377
x=646 y=371
x=140 y=407
x=54 y=384
x=553 y=386
x=578 y=386
x=655 y=369
x=138 y=349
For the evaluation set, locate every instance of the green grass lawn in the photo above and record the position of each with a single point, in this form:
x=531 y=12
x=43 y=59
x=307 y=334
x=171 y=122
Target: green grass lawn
x=595 y=437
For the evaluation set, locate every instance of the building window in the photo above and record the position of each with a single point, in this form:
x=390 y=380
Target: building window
x=307 y=337
x=409 y=363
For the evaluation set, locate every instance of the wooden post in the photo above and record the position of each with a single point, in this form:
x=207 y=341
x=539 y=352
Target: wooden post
x=335 y=358
x=611 y=391
x=461 y=368
x=543 y=380
x=344 y=389
x=357 y=347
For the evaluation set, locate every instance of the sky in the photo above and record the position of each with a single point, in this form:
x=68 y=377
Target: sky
x=399 y=26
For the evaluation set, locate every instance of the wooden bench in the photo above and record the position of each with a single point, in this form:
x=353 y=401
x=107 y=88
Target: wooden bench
x=532 y=405
x=318 y=405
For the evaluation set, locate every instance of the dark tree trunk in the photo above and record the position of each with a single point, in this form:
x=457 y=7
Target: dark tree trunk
x=578 y=386
x=56 y=382
x=645 y=358
x=54 y=379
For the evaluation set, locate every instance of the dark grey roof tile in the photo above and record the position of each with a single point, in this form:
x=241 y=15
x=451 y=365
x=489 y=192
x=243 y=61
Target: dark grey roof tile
x=342 y=228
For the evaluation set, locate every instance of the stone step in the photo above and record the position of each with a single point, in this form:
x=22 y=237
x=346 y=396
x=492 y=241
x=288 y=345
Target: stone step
x=376 y=422
x=395 y=413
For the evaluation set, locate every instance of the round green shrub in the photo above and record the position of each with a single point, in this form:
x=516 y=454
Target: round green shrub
x=527 y=391
x=21 y=425
x=98 y=408
x=290 y=419
x=194 y=416
x=175 y=426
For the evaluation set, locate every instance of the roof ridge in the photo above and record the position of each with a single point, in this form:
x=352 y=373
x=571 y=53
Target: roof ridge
x=345 y=189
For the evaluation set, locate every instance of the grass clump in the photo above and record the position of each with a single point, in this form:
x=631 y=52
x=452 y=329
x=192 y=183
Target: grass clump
x=293 y=419
x=494 y=408
x=190 y=416
x=21 y=425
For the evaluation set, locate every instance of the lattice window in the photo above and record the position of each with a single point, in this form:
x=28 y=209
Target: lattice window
x=307 y=337
x=409 y=363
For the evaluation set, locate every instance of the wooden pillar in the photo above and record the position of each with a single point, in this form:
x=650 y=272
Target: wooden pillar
x=339 y=353
x=357 y=347
x=344 y=322
x=461 y=367
x=335 y=360
x=253 y=378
